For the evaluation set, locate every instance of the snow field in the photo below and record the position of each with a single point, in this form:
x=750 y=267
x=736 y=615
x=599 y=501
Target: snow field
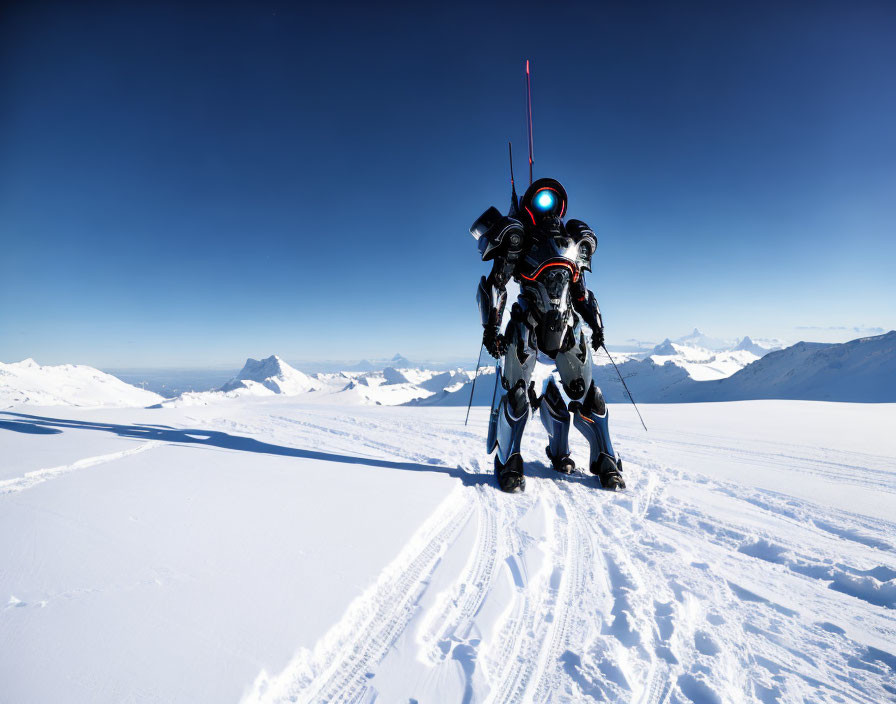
x=686 y=588
x=739 y=566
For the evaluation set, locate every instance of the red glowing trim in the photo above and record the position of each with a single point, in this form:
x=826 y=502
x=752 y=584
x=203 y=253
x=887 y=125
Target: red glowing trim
x=585 y=419
x=575 y=274
x=530 y=213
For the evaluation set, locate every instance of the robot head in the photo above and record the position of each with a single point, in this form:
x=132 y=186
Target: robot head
x=544 y=200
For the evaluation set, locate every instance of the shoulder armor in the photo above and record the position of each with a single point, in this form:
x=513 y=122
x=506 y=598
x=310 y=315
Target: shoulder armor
x=496 y=232
x=585 y=238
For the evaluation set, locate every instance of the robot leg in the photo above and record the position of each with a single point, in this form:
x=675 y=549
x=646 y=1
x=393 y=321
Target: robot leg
x=513 y=411
x=555 y=418
x=590 y=413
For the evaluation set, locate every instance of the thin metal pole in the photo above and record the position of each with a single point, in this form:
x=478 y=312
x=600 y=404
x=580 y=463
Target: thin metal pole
x=473 y=387
x=529 y=120
x=514 y=201
x=625 y=386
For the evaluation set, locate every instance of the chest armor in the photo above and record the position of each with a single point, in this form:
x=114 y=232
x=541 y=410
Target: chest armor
x=551 y=264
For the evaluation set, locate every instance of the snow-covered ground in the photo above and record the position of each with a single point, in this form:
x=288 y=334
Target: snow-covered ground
x=27 y=382
x=281 y=549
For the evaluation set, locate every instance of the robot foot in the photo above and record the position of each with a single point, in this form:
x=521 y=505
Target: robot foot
x=510 y=475
x=608 y=472
x=562 y=464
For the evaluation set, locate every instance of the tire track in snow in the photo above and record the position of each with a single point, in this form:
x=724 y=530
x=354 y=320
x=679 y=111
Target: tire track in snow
x=577 y=559
x=39 y=476
x=522 y=660
x=338 y=669
x=629 y=631
x=690 y=632
x=538 y=629
x=450 y=618
x=758 y=636
x=504 y=655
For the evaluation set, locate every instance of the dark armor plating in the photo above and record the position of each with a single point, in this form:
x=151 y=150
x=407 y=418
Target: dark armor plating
x=547 y=257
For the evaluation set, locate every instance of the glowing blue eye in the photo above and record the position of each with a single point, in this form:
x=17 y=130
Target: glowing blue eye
x=544 y=200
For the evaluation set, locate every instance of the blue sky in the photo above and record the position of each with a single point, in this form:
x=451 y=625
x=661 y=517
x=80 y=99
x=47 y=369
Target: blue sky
x=194 y=186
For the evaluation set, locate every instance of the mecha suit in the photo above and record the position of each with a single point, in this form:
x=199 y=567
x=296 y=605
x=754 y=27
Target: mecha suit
x=548 y=258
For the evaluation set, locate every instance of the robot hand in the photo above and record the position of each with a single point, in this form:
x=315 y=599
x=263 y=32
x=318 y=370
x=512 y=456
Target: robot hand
x=597 y=338
x=494 y=341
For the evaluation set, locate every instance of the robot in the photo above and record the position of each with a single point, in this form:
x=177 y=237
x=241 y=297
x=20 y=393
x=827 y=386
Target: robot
x=548 y=258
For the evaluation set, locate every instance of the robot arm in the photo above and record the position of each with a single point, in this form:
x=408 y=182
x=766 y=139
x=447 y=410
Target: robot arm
x=583 y=300
x=492 y=296
x=500 y=241
x=585 y=305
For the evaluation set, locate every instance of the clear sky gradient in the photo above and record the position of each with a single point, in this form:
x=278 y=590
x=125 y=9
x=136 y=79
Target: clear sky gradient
x=189 y=186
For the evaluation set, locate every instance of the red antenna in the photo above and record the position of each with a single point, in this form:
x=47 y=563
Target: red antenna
x=529 y=119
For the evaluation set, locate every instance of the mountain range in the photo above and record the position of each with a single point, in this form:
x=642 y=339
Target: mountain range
x=862 y=370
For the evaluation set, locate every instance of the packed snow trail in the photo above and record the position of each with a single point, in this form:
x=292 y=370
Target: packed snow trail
x=39 y=476
x=685 y=588
x=737 y=567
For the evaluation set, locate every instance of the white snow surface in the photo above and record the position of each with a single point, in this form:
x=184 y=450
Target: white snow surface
x=27 y=382
x=700 y=363
x=275 y=549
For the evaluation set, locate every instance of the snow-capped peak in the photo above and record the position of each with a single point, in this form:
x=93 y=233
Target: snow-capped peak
x=272 y=373
x=757 y=348
x=666 y=347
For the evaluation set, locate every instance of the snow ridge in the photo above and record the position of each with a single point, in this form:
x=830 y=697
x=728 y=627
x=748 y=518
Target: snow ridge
x=29 y=383
x=273 y=374
x=862 y=370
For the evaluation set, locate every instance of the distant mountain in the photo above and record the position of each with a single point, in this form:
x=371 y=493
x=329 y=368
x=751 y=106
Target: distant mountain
x=760 y=349
x=648 y=381
x=445 y=380
x=400 y=362
x=698 y=339
x=458 y=392
x=271 y=373
x=665 y=348
x=860 y=370
x=702 y=363
x=364 y=365
x=27 y=382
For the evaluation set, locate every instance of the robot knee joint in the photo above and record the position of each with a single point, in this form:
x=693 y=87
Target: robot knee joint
x=517 y=399
x=595 y=400
x=575 y=389
x=554 y=401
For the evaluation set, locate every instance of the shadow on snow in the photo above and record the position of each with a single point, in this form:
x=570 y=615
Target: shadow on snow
x=41 y=425
x=25 y=423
